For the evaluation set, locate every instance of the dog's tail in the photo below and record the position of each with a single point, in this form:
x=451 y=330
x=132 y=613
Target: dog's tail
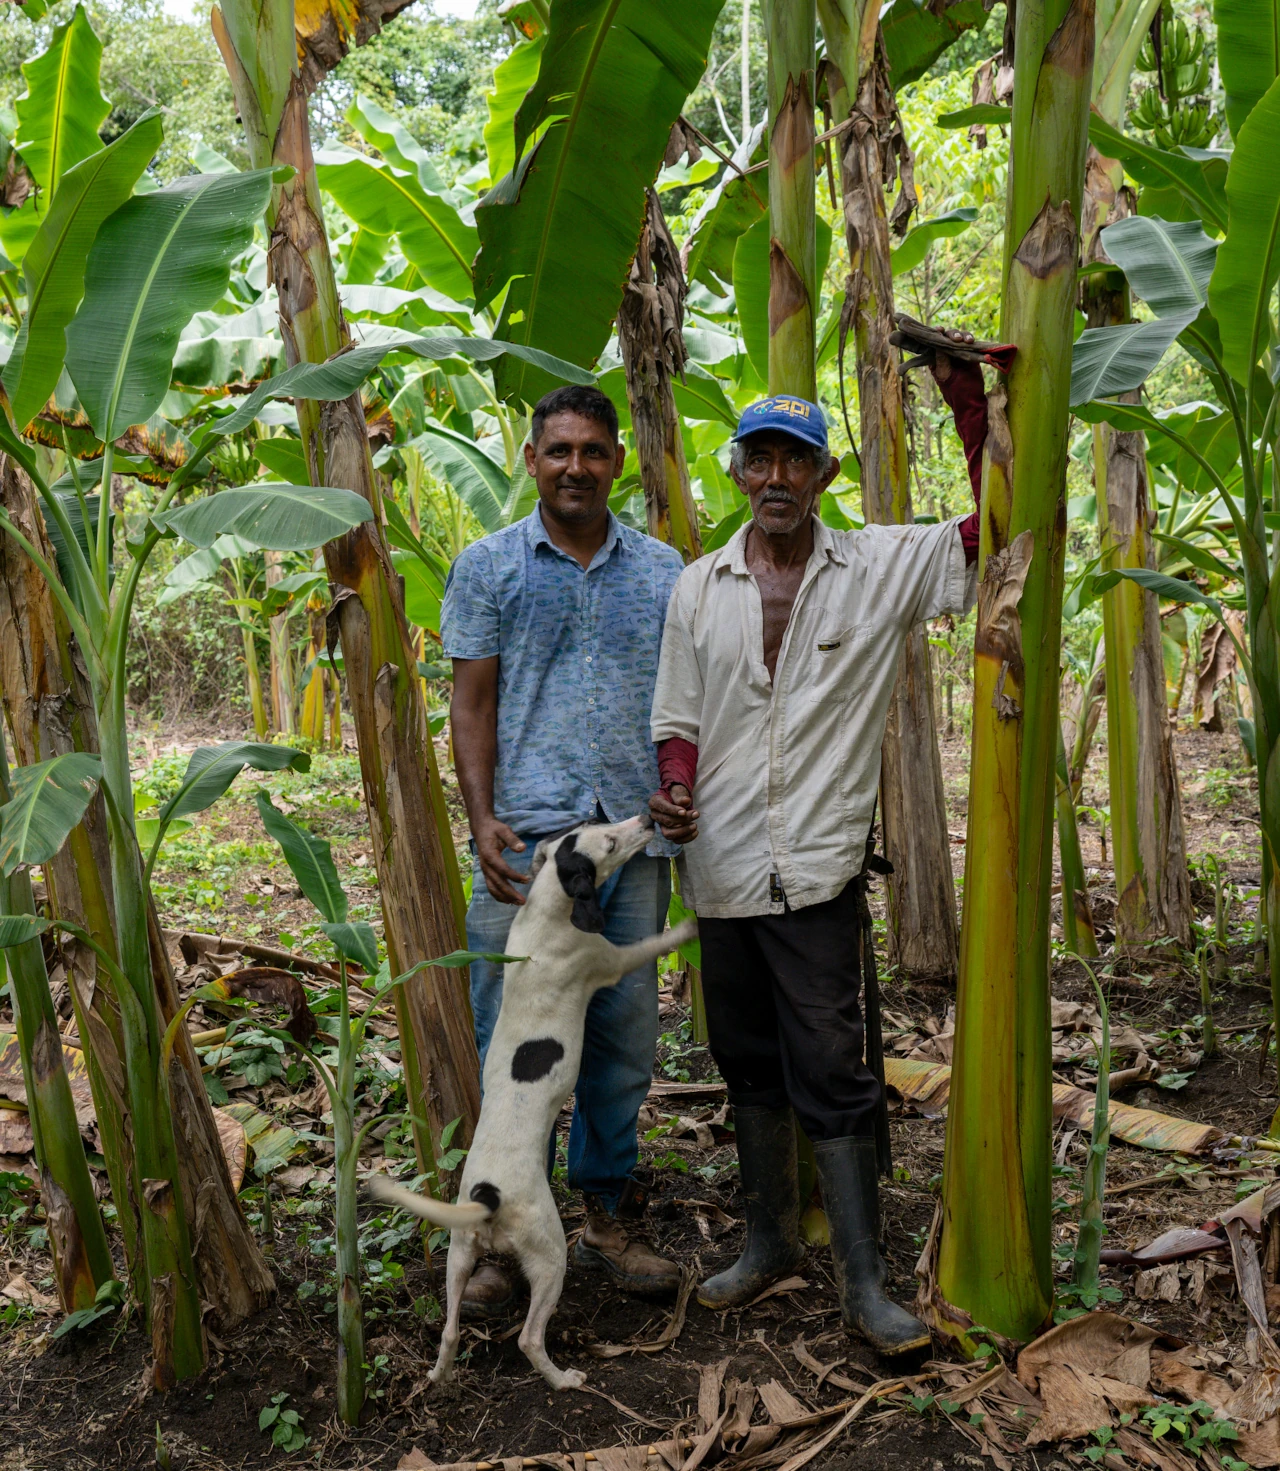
x=485 y=1200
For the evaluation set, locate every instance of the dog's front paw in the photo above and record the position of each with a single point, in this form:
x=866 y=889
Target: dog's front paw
x=569 y=1379
x=440 y=1375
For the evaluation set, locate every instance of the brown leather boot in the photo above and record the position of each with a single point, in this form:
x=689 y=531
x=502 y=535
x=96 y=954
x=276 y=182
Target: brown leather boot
x=607 y=1245
x=490 y=1294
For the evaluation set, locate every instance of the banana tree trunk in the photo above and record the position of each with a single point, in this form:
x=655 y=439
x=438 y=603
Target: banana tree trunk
x=313 y=696
x=650 y=324
x=49 y=710
x=417 y=869
x=790 y=26
x=77 y=1237
x=253 y=686
x=1149 y=845
x=923 y=936
x=994 y=1263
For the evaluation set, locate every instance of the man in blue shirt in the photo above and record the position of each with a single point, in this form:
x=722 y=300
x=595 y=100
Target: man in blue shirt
x=554 y=626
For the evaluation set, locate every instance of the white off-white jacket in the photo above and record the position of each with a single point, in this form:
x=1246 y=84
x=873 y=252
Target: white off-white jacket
x=788 y=769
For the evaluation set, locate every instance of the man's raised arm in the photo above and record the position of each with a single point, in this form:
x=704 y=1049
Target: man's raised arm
x=473 y=720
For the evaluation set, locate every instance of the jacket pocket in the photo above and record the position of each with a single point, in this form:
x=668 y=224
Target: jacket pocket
x=837 y=664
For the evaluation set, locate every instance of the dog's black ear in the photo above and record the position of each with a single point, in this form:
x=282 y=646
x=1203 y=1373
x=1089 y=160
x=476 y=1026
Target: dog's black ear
x=577 y=874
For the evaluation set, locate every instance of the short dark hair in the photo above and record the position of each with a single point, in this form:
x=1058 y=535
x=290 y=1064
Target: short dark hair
x=575 y=398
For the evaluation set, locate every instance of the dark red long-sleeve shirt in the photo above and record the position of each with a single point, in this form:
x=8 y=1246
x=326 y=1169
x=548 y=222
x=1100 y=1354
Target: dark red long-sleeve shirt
x=965 y=395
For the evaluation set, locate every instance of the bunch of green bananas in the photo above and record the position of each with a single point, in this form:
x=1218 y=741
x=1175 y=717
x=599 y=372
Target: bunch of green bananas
x=1185 y=62
x=1193 y=126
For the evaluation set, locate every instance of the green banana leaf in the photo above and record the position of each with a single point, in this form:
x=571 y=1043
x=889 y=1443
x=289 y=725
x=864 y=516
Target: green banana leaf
x=1248 y=53
x=483 y=485
x=1249 y=259
x=355 y=940
x=285 y=458
x=988 y=114
x=17 y=929
x=1195 y=176
x=63 y=108
x=157 y=260
x=916 y=245
x=1167 y=264
x=615 y=73
x=345 y=373
x=277 y=518
x=310 y=860
x=387 y=200
x=702 y=396
x=916 y=33
x=199 y=567
x=728 y=212
x=399 y=147
x=54 y=264
x=751 y=287
x=423 y=591
x=1111 y=360
x=49 y=799
x=212 y=769
x=512 y=78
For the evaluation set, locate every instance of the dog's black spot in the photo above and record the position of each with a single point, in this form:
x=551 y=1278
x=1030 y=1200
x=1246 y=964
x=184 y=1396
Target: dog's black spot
x=534 y=1060
x=577 y=875
x=486 y=1195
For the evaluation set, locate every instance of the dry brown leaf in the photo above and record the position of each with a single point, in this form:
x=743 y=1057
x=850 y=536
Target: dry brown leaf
x=1074 y=1405
x=782 y=1406
x=18 y=1289
x=1094 y=1343
x=1259 y=1446
x=739 y=1401
x=614 y=1458
x=1175 y=1373
x=231 y=1136
x=669 y=1334
x=710 y=1378
x=1257 y=1399
x=415 y=1460
x=1160 y=1284
x=789 y=1284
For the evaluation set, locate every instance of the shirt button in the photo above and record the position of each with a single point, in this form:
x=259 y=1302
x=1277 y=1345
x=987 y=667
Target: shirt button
x=591 y=699
x=593 y=745
x=588 y=659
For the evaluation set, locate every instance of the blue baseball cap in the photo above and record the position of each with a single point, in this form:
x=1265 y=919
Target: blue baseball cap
x=785 y=414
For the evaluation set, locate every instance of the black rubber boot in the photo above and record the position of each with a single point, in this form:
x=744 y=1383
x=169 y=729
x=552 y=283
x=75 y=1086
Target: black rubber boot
x=771 y=1203
x=849 y=1174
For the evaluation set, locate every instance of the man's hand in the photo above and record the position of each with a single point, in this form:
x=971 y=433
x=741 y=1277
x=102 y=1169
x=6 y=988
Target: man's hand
x=940 y=367
x=491 y=838
x=676 y=817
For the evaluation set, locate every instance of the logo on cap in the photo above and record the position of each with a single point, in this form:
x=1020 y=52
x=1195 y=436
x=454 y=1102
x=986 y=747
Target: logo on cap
x=793 y=406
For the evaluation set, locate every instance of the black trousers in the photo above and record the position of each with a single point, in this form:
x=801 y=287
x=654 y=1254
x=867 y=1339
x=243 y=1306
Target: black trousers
x=781 y=993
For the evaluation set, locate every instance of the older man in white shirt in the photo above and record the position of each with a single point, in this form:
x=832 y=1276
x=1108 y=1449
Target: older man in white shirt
x=778 y=662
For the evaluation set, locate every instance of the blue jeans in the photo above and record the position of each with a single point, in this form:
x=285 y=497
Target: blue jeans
x=621 y=1034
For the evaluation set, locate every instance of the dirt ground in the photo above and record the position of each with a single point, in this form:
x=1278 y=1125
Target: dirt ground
x=83 y=1400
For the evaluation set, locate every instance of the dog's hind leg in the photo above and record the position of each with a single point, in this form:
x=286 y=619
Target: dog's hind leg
x=543 y=1266
x=464 y=1252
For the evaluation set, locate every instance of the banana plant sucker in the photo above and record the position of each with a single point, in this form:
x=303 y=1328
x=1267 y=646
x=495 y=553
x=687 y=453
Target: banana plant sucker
x=994 y=1262
x=77 y=1237
x=790 y=28
x=923 y=935
x=1146 y=809
x=417 y=869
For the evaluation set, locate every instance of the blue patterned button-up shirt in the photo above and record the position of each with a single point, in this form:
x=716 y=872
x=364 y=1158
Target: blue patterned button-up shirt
x=577 y=662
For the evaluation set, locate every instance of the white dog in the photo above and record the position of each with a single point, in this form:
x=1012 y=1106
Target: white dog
x=530 y=1069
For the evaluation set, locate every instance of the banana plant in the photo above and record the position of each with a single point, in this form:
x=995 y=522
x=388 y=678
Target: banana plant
x=1229 y=329
x=994 y=1261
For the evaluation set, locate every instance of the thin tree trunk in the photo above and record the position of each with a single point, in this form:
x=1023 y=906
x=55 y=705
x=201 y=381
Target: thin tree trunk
x=793 y=254
x=417 y=870
x=313 y=696
x=650 y=324
x=994 y=1264
x=923 y=936
x=1078 y=933
x=1150 y=854
x=283 y=694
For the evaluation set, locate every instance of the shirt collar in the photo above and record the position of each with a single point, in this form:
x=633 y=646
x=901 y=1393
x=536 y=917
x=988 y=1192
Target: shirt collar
x=537 y=533
x=826 y=547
